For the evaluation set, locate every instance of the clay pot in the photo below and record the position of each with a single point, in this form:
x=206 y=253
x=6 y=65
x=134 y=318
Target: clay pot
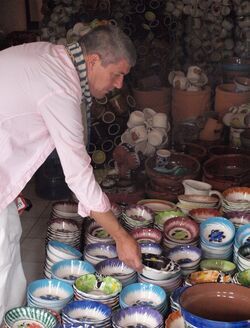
x=190 y=104
x=159 y=100
x=226 y=97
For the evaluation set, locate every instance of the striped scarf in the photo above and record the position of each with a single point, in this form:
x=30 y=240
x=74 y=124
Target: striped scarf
x=75 y=52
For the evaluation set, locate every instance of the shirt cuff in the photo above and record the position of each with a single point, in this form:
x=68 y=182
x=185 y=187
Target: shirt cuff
x=102 y=207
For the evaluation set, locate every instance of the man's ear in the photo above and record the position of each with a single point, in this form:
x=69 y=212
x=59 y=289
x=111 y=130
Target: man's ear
x=92 y=59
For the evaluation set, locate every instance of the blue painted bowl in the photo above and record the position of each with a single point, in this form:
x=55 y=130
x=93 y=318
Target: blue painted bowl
x=185 y=255
x=69 y=270
x=150 y=248
x=142 y=294
x=137 y=316
x=213 y=305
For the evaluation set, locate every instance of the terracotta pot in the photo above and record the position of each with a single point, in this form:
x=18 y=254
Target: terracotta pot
x=190 y=104
x=226 y=97
x=159 y=100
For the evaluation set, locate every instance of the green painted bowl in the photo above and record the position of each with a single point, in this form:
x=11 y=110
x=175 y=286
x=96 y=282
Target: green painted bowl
x=244 y=278
x=219 y=265
x=29 y=316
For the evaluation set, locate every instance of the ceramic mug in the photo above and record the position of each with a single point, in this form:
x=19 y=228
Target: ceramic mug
x=162 y=158
x=138 y=133
x=159 y=120
x=195 y=187
x=135 y=118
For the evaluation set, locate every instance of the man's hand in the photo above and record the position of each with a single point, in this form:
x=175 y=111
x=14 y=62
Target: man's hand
x=127 y=248
x=129 y=252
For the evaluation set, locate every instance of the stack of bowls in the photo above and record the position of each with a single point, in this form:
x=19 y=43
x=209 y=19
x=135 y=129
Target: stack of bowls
x=144 y=294
x=137 y=216
x=157 y=205
x=202 y=305
x=180 y=230
x=137 y=316
x=160 y=271
x=67 y=210
x=49 y=293
x=64 y=230
x=216 y=238
x=118 y=270
x=236 y=205
x=150 y=248
x=142 y=235
x=98 y=288
x=29 y=317
x=188 y=257
x=56 y=252
x=97 y=252
x=189 y=202
x=243 y=258
x=163 y=216
x=201 y=214
x=96 y=234
x=242 y=236
x=89 y=314
x=69 y=270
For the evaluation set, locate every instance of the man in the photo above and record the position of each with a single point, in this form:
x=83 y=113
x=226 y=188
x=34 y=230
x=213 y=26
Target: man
x=41 y=90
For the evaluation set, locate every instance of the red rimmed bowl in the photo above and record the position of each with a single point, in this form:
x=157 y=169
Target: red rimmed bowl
x=181 y=229
x=147 y=234
x=237 y=194
x=201 y=214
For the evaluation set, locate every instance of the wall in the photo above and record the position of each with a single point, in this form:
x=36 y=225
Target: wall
x=13 y=15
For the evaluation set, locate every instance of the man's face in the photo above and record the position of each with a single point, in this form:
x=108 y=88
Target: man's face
x=104 y=79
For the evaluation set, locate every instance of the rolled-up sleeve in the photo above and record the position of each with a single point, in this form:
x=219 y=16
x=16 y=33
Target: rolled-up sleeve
x=62 y=116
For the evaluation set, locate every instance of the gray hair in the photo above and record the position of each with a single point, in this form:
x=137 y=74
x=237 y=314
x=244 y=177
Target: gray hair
x=110 y=43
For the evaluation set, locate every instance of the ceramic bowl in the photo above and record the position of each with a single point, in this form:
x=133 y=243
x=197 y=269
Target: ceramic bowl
x=196 y=200
x=244 y=256
x=227 y=267
x=96 y=234
x=201 y=214
x=185 y=255
x=137 y=316
x=239 y=218
x=142 y=294
x=175 y=320
x=147 y=234
x=70 y=270
x=243 y=278
x=65 y=209
x=139 y=213
x=217 y=231
x=97 y=252
x=150 y=248
x=63 y=225
x=242 y=235
x=203 y=305
x=98 y=287
x=159 y=267
x=26 y=316
x=181 y=229
x=163 y=216
x=91 y=312
x=200 y=277
x=157 y=205
x=237 y=194
x=63 y=250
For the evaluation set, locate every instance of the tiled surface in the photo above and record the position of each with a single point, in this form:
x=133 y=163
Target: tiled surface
x=34 y=224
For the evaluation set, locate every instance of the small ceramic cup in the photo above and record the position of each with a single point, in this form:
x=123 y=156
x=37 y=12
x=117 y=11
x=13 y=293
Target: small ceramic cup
x=159 y=120
x=135 y=118
x=138 y=133
x=162 y=158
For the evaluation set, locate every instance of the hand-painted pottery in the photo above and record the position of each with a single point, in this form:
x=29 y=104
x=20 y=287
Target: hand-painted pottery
x=219 y=265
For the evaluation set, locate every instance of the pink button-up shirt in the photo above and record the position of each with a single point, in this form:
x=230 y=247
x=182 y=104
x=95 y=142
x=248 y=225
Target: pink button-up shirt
x=40 y=99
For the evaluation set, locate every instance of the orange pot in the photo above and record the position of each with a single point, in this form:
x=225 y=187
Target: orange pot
x=226 y=97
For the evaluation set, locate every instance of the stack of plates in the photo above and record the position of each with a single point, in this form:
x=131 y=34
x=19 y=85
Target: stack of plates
x=56 y=252
x=137 y=216
x=69 y=270
x=87 y=314
x=180 y=231
x=96 y=234
x=137 y=316
x=144 y=294
x=29 y=317
x=97 y=252
x=49 y=293
x=118 y=270
x=216 y=238
x=98 y=288
x=64 y=230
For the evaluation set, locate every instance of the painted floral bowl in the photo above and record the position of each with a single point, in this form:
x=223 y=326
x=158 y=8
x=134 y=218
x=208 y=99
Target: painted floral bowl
x=139 y=213
x=201 y=214
x=150 y=248
x=185 y=255
x=97 y=252
x=181 y=229
x=147 y=234
x=225 y=266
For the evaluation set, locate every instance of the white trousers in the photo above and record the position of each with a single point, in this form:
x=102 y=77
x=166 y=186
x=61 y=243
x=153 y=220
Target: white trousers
x=12 y=279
